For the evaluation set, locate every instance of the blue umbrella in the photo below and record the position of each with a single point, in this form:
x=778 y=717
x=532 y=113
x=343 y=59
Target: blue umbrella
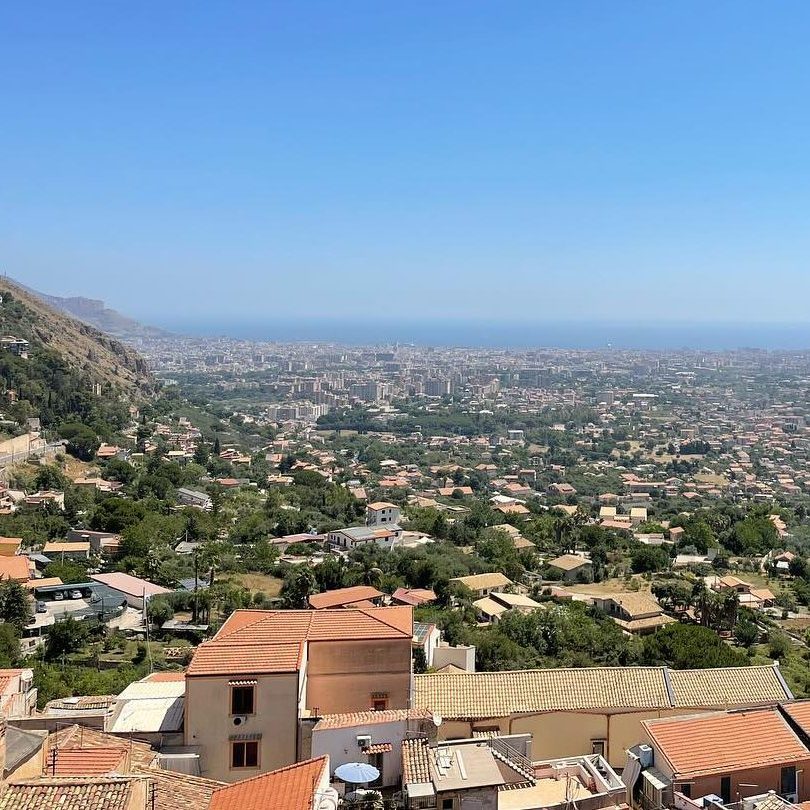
x=357 y=773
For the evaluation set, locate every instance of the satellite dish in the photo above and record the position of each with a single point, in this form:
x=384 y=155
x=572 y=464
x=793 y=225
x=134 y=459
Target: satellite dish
x=437 y=720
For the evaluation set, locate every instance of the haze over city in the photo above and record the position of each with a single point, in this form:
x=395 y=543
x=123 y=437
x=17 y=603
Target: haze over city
x=255 y=167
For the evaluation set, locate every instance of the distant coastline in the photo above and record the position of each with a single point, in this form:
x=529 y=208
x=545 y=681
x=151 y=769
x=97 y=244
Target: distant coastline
x=568 y=335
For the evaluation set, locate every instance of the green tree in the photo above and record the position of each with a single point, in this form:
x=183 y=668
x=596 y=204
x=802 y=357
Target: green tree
x=15 y=606
x=299 y=585
x=65 y=636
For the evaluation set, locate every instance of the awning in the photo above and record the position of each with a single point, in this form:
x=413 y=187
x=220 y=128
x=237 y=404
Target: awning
x=378 y=748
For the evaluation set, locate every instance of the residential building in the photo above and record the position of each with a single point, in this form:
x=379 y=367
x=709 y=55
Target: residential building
x=728 y=754
x=636 y=613
x=356 y=536
x=191 y=497
x=247 y=688
x=492 y=607
x=355 y=596
x=572 y=567
x=481 y=585
x=571 y=711
x=382 y=513
x=375 y=737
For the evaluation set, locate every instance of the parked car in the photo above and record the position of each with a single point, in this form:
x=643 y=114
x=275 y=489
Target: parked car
x=59 y=596
x=42 y=607
x=75 y=594
x=94 y=597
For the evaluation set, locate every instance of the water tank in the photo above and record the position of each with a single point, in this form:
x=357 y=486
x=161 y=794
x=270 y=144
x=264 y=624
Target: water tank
x=645 y=756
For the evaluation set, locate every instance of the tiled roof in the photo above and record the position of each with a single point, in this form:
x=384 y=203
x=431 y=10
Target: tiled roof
x=728 y=686
x=568 y=562
x=178 y=791
x=415 y=767
x=257 y=641
x=799 y=712
x=235 y=659
x=16 y=567
x=82 y=737
x=477 y=581
x=85 y=703
x=86 y=761
x=343 y=596
x=499 y=694
x=724 y=742
x=351 y=719
x=164 y=677
x=378 y=748
x=110 y=793
x=289 y=788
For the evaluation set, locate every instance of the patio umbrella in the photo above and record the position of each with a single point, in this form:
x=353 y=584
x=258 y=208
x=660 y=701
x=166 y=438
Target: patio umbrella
x=357 y=773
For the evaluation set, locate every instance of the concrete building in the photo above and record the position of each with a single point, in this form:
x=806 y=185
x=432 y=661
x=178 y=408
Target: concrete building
x=266 y=670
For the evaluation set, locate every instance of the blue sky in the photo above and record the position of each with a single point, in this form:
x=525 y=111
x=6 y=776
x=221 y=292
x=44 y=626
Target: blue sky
x=509 y=160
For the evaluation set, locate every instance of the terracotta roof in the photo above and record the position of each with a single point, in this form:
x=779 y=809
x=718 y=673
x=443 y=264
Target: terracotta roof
x=381 y=505
x=725 y=742
x=415 y=766
x=17 y=567
x=289 y=788
x=89 y=739
x=727 y=686
x=179 y=791
x=44 y=582
x=413 y=596
x=234 y=659
x=351 y=719
x=66 y=547
x=86 y=761
x=6 y=676
x=499 y=694
x=164 y=677
x=799 y=712
x=110 y=793
x=343 y=596
x=378 y=748
x=261 y=641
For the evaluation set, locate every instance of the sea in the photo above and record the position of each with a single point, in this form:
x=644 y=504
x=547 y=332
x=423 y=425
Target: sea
x=499 y=334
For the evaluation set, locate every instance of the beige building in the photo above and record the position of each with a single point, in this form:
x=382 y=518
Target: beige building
x=636 y=613
x=247 y=688
x=597 y=710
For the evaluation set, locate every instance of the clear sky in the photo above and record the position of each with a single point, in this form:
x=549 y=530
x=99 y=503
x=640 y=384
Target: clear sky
x=585 y=159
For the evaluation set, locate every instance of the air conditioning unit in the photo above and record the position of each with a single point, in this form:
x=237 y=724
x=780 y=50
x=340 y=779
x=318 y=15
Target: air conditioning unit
x=363 y=740
x=240 y=720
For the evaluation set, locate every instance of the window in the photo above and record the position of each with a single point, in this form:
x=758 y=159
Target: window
x=788 y=780
x=598 y=747
x=447 y=804
x=686 y=789
x=725 y=789
x=245 y=754
x=379 y=704
x=242 y=699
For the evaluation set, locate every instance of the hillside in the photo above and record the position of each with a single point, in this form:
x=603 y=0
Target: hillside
x=97 y=357
x=95 y=313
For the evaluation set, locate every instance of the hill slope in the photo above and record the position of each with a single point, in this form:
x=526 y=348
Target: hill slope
x=97 y=357
x=95 y=313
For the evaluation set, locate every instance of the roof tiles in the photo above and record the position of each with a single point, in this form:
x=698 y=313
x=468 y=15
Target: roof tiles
x=290 y=788
x=724 y=742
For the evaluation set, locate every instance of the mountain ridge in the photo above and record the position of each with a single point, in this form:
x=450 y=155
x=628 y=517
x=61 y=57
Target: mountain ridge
x=100 y=357
x=96 y=313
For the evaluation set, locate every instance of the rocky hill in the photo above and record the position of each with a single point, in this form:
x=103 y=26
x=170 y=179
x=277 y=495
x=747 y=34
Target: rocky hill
x=99 y=357
x=95 y=313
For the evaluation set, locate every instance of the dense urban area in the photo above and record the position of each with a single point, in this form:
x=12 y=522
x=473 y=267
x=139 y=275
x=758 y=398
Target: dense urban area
x=399 y=576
